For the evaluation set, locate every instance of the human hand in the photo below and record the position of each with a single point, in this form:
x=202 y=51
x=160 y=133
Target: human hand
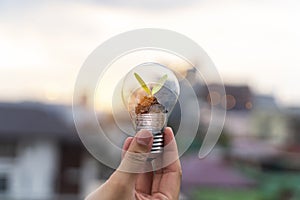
x=158 y=182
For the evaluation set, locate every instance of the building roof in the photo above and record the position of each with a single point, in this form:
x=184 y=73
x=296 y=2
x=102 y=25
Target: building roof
x=28 y=119
x=237 y=96
x=211 y=172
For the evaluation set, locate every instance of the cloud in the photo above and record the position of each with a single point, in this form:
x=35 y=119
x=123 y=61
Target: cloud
x=250 y=42
x=148 y=4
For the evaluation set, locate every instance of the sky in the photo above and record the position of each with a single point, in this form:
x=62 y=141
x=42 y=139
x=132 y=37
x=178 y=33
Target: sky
x=43 y=44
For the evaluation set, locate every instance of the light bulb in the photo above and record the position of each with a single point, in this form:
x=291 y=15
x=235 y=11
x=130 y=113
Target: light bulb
x=150 y=92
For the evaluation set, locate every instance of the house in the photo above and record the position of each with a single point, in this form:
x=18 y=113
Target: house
x=268 y=122
x=41 y=155
x=238 y=103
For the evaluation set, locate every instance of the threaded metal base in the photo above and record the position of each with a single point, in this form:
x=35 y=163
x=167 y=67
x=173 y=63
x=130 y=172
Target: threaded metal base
x=158 y=143
x=155 y=123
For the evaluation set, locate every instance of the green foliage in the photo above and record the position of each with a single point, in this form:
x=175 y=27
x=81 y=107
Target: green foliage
x=156 y=87
x=159 y=84
x=275 y=185
x=142 y=83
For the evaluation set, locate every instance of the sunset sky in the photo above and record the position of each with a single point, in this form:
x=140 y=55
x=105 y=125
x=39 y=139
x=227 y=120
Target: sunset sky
x=43 y=45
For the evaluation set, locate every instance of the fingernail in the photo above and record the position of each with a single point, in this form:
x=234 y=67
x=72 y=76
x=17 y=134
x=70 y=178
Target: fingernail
x=167 y=129
x=144 y=137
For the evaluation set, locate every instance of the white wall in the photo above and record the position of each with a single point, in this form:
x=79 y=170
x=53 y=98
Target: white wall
x=89 y=176
x=34 y=170
x=6 y=166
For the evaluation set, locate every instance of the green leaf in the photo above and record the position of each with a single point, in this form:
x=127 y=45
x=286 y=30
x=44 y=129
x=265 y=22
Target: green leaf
x=159 y=84
x=142 y=83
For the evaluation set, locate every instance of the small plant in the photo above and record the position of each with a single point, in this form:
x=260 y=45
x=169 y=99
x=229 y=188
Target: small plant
x=150 y=104
x=155 y=88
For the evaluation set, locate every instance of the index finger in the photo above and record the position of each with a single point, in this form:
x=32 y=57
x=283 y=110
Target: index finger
x=167 y=176
x=170 y=154
x=169 y=159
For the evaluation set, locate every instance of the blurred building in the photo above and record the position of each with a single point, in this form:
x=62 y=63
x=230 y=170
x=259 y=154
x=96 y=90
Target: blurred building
x=258 y=129
x=41 y=156
x=248 y=114
x=268 y=121
x=293 y=123
x=238 y=101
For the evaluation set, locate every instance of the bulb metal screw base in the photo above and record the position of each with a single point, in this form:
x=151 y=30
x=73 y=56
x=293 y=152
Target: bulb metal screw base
x=155 y=123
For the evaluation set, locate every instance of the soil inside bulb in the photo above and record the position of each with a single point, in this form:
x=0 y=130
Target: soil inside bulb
x=149 y=104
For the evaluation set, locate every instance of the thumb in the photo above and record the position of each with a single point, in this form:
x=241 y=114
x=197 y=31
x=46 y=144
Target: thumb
x=142 y=142
x=136 y=156
x=134 y=161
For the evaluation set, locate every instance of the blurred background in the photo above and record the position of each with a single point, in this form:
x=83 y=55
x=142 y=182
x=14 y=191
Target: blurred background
x=254 y=45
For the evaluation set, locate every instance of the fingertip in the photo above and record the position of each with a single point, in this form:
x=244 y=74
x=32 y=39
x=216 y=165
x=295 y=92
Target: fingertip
x=168 y=135
x=168 y=130
x=126 y=145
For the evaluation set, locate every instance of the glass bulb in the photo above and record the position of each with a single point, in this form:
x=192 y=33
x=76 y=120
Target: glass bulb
x=150 y=92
